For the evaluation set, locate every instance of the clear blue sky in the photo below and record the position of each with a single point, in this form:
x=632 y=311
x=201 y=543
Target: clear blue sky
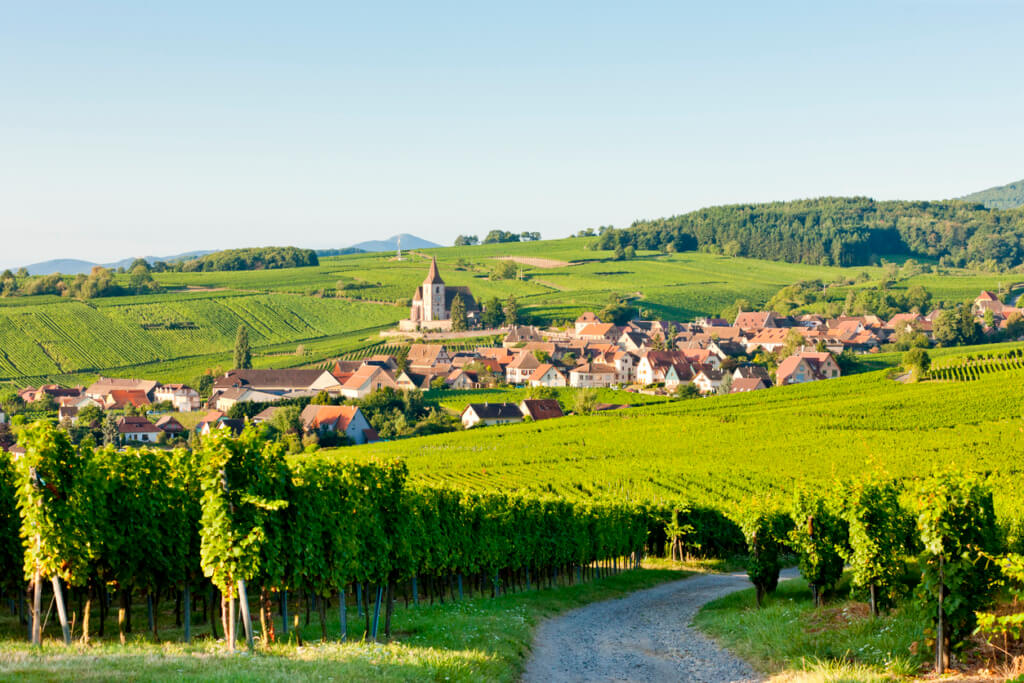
x=130 y=130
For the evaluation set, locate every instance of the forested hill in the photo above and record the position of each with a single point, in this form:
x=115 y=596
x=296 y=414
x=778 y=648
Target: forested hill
x=1004 y=197
x=846 y=231
x=259 y=258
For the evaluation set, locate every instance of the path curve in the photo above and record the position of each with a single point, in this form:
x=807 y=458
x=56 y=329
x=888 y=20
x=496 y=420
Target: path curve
x=645 y=636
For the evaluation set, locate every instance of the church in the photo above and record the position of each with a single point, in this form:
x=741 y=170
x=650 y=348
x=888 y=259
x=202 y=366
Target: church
x=432 y=303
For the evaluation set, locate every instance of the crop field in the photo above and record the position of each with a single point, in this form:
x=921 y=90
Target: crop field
x=719 y=451
x=73 y=337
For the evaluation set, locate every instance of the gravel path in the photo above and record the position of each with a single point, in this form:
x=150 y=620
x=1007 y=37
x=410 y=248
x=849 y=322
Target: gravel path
x=645 y=636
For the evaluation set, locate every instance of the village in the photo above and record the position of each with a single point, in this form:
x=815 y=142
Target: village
x=704 y=357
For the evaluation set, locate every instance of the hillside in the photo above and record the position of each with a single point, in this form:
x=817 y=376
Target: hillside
x=718 y=451
x=48 y=337
x=391 y=244
x=1003 y=197
x=76 y=266
x=844 y=231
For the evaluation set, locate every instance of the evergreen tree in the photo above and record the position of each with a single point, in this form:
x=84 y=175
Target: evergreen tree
x=243 y=354
x=458 y=314
x=110 y=431
x=511 y=311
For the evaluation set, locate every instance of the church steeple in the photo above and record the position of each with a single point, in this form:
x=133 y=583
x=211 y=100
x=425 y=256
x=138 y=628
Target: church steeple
x=433 y=277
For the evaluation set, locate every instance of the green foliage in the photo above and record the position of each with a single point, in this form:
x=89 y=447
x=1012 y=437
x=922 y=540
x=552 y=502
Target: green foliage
x=878 y=528
x=54 y=493
x=957 y=526
x=819 y=537
x=466 y=240
x=916 y=361
x=765 y=529
x=1003 y=197
x=458 y=314
x=500 y=237
x=998 y=629
x=243 y=481
x=845 y=231
x=511 y=311
x=243 y=354
x=260 y=258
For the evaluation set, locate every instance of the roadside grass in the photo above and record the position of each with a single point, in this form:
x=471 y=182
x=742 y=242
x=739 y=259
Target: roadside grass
x=476 y=639
x=837 y=642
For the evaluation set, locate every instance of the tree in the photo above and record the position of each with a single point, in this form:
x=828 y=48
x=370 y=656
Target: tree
x=90 y=416
x=1015 y=326
x=687 y=390
x=725 y=387
x=504 y=270
x=794 y=340
x=511 y=311
x=204 y=384
x=500 y=236
x=287 y=420
x=110 y=433
x=584 y=401
x=620 y=253
x=10 y=402
x=492 y=315
x=466 y=240
x=243 y=354
x=458 y=314
x=916 y=361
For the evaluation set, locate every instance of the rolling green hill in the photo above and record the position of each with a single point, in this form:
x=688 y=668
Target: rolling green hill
x=339 y=305
x=719 y=451
x=1003 y=197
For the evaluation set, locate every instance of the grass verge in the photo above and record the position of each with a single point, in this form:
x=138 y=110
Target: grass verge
x=838 y=642
x=479 y=639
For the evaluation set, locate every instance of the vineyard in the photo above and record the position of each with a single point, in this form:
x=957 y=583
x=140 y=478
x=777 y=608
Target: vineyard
x=972 y=367
x=240 y=516
x=73 y=336
x=716 y=452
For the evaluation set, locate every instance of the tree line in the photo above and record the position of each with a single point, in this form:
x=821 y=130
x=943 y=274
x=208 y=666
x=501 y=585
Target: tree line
x=838 y=231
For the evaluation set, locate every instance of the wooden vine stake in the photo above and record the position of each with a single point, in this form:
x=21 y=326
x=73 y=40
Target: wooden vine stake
x=243 y=601
x=62 y=614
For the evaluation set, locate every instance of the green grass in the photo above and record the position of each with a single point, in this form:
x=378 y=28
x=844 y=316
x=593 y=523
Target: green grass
x=839 y=641
x=479 y=639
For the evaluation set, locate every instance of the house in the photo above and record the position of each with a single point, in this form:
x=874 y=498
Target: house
x=751 y=372
x=708 y=379
x=633 y=341
x=772 y=339
x=102 y=387
x=745 y=384
x=808 y=366
x=235 y=426
x=676 y=374
x=170 y=425
x=228 y=398
x=600 y=332
x=428 y=356
x=490 y=414
x=211 y=417
x=653 y=365
x=119 y=399
x=279 y=382
x=592 y=375
x=347 y=420
x=369 y=379
x=266 y=415
x=183 y=399
x=521 y=334
x=755 y=320
x=540 y=409
x=547 y=375
x=409 y=381
x=54 y=391
x=138 y=430
x=987 y=301
x=520 y=370
x=461 y=379
x=68 y=407
x=587 y=318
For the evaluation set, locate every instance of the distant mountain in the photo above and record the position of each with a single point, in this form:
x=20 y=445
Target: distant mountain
x=345 y=251
x=70 y=266
x=1004 y=197
x=390 y=244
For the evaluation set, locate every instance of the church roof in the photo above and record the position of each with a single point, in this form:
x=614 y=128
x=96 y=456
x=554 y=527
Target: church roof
x=433 y=277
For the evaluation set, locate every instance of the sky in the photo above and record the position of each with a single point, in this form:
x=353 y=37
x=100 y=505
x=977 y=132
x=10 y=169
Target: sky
x=132 y=129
